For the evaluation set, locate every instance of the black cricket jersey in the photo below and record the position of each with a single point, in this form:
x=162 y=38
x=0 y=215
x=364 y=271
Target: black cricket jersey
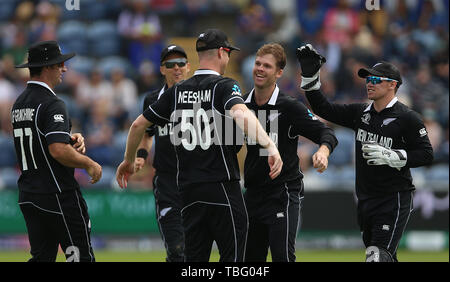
x=285 y=119
x=197 y=111
x=395 y=127
x=164 y=160
x=39 y=118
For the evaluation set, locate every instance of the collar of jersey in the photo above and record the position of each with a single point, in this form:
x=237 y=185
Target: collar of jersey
x=203 y=72
x=272 y=100
x=43 y=84
x=390 y=105
x=165 y=87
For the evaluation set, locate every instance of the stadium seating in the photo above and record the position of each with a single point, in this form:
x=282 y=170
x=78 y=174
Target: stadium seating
x=106 y=65
x=67 y=15
x=94 y=9
x=7 y=9
x=103 y=39
x=81 y=64
x=72 y=37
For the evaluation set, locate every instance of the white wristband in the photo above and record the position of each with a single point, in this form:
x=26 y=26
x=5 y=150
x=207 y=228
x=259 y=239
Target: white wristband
x=311 y=83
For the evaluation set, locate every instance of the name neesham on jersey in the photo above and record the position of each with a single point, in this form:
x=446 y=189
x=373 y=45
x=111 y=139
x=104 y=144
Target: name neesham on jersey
x=192 y=97
x=19 y=115
x=366 y=136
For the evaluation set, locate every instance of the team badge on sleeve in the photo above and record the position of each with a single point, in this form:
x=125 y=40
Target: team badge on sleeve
x=422 y=132
x=58 y=118
x=236 y=90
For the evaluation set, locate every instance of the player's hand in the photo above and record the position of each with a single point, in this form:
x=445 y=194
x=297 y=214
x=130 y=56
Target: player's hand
x=378 y=155
x=138 y=164
x=95 y=172
x=320 y=160
x=124 y=171
x=275 y=162
x=310 y=60
x=77 y=141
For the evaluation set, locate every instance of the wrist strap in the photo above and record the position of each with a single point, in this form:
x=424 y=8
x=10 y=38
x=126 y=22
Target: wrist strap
x=311 y=83
x=142 y=153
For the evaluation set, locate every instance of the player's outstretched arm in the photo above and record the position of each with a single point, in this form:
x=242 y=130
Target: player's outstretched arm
x=248 y=122
x=68 y=156
x=126 y=168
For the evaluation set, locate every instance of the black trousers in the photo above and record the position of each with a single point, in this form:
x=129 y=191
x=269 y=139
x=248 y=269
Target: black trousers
x=168 y=213
x=274 y=218
x=383 y=220
x=57 y=219
x=214 y=212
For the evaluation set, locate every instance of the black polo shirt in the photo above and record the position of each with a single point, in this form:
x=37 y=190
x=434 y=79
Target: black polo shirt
x=39 y=118
x=197 y=110
x=395 y=127
x=285 y=119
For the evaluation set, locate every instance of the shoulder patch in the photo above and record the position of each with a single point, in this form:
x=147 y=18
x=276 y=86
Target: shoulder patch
x=423 y=132
x=58 y=118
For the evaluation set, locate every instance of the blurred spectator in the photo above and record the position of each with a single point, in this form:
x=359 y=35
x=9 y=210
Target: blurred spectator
x=442 y=155
x=7 y=97
x=140 y=29
x=18 y=47
x=148 y=79
x=377 y=20
x=124 y=98
x=427 y=37
x=99 y=133
x=254 y=24
x=341 y=23
x=44 y=26
x=94 y=88
x=433 y=128
x=311 y=15
x=425 y=92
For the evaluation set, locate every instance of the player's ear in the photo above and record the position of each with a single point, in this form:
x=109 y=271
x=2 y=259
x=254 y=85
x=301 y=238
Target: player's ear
x=188 y=67
x=279 y=73
x=162 y=69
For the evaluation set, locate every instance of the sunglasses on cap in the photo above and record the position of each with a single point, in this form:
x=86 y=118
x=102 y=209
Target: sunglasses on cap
x=377 y=79
x=171 y=63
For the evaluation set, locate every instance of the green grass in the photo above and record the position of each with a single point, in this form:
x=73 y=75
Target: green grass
x=302 y=256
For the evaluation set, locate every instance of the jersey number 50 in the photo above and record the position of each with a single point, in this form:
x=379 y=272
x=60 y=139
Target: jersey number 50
x=19 y=132
x=200 y=117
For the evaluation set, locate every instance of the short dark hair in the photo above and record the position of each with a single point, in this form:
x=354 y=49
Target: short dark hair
x=35 y=71
x=276 y=50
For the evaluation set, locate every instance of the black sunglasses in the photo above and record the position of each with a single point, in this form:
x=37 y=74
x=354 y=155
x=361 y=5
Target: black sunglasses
x=171 y=63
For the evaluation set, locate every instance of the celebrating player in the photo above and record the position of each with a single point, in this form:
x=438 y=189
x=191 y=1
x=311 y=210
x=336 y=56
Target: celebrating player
x=274 y=204
x=390 y=139
x=174 y=67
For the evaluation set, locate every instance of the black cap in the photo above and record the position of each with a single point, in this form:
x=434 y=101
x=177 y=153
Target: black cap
x=172 y=49
x=213 y=39
x=382 y=69
x=45 y=53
